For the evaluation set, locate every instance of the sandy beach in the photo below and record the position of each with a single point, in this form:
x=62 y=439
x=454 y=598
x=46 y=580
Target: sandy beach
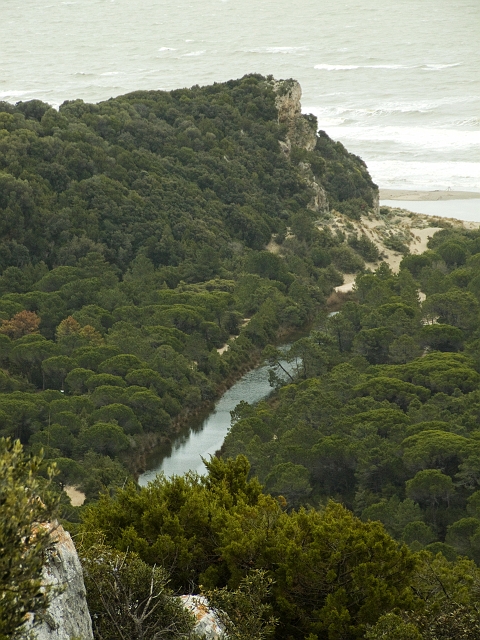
x=425 y=196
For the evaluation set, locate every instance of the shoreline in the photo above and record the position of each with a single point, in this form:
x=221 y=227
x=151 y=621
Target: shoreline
x=426 y=196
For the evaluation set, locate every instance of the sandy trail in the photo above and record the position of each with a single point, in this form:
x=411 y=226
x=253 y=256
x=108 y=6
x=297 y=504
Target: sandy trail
x=77 y=498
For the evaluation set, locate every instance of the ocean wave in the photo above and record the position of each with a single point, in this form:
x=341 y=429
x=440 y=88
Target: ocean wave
x=332 y=122
x=351 y=67
x=337 y=67
x=426 y=175
x=350 y=111
x=394 y=67
x=417 y=137
x=166 y=49
x=439 y=67
x=343 y=114
x=468 y=122
x=193 y=53
x=110 y=73
x=284 y=50
x=13 y=94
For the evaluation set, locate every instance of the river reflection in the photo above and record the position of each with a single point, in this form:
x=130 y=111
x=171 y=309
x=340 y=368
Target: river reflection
x=188 y=449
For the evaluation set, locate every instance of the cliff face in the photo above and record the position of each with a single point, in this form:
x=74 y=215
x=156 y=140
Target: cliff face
x=343 y=176
x=301 y=132
x=319 y=202
x=68 y=616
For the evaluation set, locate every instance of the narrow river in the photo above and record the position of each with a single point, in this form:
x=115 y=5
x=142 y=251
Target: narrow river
x=204 y=439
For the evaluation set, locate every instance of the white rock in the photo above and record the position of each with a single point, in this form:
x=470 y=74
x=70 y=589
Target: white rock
x=207 y=622
x=67 y=616
x=302 y=130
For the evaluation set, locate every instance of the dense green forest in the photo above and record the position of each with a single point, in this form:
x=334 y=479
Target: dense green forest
x=381 y=415
x=384 y=413
x=133 y=247
x=133 y=238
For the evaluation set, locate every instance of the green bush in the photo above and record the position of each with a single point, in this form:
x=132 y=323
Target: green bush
x=365 y=247
x=346 y=260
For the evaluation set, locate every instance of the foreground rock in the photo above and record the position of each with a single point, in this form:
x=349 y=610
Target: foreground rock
x=208 y=625
x=68 y=616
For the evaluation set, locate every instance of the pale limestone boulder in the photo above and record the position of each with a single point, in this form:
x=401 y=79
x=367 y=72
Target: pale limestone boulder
x=302 y=129
x=301 y=132
x=67 y=616
x=207 y=622
x=319 y=201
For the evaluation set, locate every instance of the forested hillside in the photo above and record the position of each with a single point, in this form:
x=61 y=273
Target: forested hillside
x=384 y=415
x=138 y=237
x=132 y=246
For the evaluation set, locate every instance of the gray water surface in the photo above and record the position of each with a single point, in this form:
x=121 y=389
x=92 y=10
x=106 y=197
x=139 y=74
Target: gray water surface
x=188 y=449
x=468 y=210
x=397 y=81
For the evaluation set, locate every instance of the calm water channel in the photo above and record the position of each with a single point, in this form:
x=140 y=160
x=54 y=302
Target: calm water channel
x=203 y=440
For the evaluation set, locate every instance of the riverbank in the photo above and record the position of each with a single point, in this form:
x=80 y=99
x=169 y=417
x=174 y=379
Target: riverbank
x=205 y=437
x=424 y=196
x=152 y=447
x=456 y=205
x=149 y=443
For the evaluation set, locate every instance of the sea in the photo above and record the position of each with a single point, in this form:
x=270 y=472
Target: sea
x=396 y=81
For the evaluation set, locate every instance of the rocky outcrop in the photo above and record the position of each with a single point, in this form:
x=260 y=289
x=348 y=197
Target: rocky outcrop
x=67 y=616
x=301 y=129
x=319 y=202
x=301 y=132
x=208 y=625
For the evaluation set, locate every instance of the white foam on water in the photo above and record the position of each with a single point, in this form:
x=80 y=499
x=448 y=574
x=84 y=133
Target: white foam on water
x=332 y=122
x=283 y=50
x=416 y=106
x=336 y=67
x=400 y=174
x=444 y=140
x=439 y=67
x=166 y=49
x=350 y=111
x=353 y=67
x=192 y=53
x=8 y=95
x=469 y=122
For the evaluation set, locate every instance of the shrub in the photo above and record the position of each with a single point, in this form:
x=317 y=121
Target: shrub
x=365 y=247
x=345 y=259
